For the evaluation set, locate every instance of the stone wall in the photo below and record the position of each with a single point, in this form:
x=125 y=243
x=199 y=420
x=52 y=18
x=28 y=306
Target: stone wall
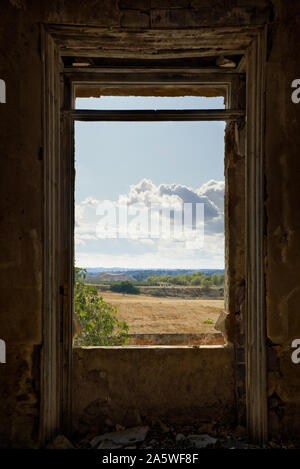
x=21 y=214
x=176 y=339
x=19 y=396
x=282 y=246
x=135 y=385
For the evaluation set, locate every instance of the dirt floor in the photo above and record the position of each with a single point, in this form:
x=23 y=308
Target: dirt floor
x=153 y=315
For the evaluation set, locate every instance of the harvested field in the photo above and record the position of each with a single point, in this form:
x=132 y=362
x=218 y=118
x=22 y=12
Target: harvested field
x=151 y=315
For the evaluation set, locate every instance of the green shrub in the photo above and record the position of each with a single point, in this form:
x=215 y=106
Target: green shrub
x=125 y=287
x=98 y=319
x=209 y=321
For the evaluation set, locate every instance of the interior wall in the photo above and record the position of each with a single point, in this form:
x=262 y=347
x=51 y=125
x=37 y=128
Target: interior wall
x=235 y=256
x=21 y=218
x=282 y=237
x=132 y=386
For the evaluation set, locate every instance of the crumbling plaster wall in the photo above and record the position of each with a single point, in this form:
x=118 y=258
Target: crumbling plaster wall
x=21 y=225
x=282 y=239
x=133 y=385
x=235 y=252
x=21 y=219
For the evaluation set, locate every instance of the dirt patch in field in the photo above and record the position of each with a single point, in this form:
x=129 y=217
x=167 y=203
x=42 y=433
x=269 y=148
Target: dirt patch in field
x=151 y=315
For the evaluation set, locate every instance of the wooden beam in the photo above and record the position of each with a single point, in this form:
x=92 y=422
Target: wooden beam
x=151 y=115
x=50 y=416
x=93 y=70
x=92 y=41
x=256 y=379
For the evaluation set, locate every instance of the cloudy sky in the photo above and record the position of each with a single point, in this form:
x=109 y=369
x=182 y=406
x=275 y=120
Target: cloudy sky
x=149 y=194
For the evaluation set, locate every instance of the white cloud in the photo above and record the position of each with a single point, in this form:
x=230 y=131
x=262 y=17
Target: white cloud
x=146 y=193
x=189 y=195
x=166 y=256
x=214 y=191
x=144 y=251
x=90 y=201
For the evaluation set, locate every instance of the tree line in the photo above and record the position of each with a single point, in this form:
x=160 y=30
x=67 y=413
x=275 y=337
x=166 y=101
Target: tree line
x=194 y=279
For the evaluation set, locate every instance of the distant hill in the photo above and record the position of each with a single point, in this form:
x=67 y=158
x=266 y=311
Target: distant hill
x=96 y=274
x=110 y=277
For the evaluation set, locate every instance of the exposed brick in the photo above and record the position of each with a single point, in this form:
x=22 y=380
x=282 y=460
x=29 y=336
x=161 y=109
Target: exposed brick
x=187 y=17
x=135 y=19
x=99 y=12
x=177 y=18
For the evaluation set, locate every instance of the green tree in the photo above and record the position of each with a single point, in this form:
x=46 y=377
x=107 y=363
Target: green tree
x=196 y=280
x=217 y=279
x=98 y=319
x=125 y=287
x=151 y=280
x=206 y=282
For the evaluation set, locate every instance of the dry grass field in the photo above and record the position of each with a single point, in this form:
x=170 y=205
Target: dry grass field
x=153 y=315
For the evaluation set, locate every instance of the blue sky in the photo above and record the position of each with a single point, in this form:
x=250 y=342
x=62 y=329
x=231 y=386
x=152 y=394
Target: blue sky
x=179 y=161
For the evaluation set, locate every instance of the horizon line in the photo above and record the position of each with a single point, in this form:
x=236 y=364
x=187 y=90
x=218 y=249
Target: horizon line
x=158 y=268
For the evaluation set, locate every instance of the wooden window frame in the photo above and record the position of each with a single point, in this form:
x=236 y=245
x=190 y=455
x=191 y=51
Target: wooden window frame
x=58 y=123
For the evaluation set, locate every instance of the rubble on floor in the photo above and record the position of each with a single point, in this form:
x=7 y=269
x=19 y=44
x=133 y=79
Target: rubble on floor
x=175 y=437
x=120 y=439
x=162 y=436
x=60 y=442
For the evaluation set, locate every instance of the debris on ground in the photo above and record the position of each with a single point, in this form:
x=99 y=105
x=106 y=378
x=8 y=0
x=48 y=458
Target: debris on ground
x=121 y=438
x=201 y=441
x=176 y=437
x=60 y=442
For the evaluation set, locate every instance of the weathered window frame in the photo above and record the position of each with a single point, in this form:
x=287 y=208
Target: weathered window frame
x=59 y=193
